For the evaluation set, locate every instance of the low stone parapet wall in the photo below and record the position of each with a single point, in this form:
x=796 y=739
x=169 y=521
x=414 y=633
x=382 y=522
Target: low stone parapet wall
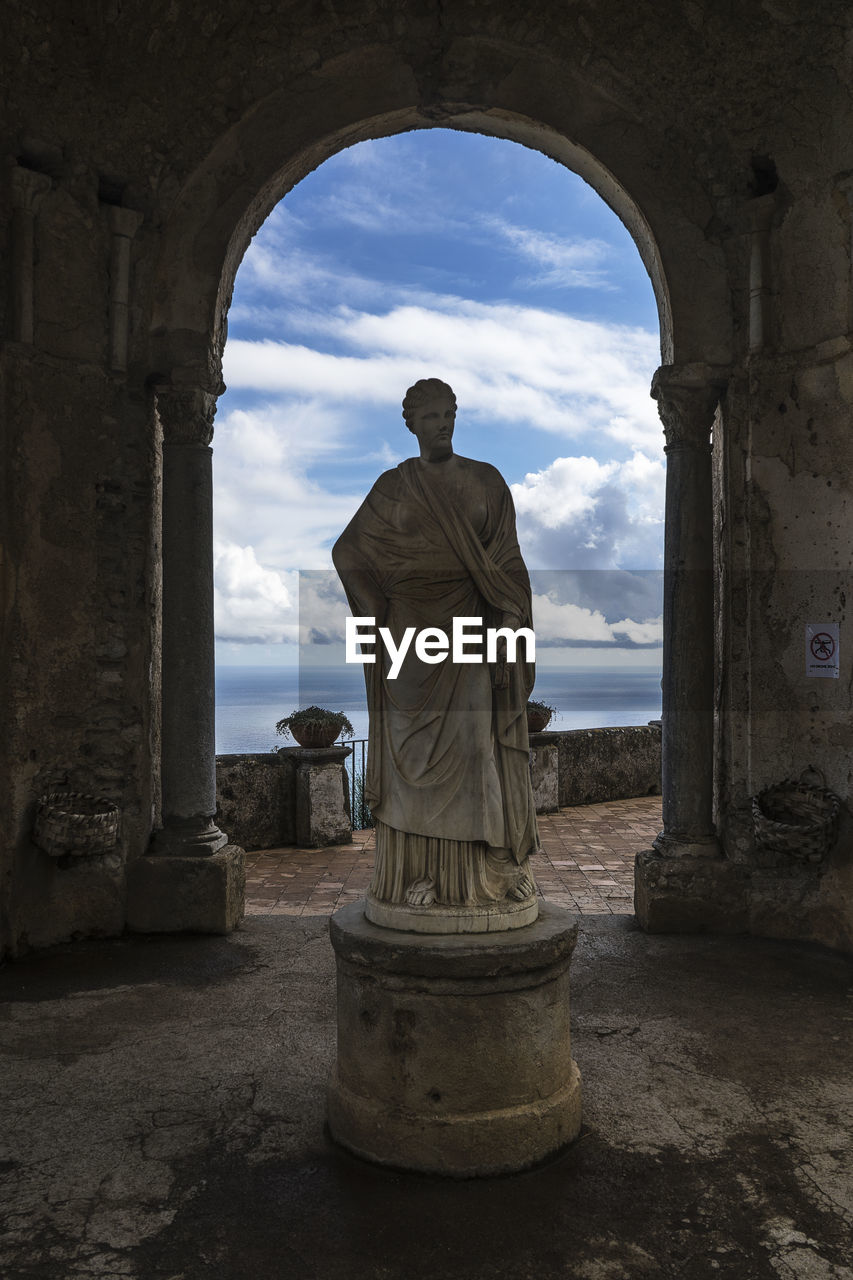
x=258 y=795
x=256 y=799
x=269 y=799
x=608 y=764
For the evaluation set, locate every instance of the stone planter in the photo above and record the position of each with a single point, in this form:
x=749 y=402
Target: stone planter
x=537 y=721
x=314 y=737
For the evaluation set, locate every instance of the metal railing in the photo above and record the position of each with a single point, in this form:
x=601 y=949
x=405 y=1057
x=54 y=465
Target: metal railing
x=356 y=765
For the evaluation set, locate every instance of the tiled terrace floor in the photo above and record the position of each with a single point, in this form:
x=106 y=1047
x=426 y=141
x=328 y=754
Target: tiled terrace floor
x=587 y=864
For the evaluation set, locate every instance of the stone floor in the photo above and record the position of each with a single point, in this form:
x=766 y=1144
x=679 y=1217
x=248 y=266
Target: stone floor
x=586 y=864
x=162 y=1104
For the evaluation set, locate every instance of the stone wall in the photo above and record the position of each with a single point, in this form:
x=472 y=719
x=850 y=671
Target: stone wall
x=256 y=795
x=721 y=134
x=270 y=799
x=256 y=799
x=609 y=764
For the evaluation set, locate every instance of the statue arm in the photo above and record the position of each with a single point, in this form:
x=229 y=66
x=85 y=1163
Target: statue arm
x=509 y=553
x=358 y=575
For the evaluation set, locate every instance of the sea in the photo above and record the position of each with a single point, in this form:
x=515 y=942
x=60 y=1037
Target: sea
x=249 y=700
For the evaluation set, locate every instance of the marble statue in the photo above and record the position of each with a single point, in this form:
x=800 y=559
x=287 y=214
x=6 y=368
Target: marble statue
x=447 y=779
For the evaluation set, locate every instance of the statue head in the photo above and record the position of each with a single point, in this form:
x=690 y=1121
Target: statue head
x=424 y=390
x=430 y=412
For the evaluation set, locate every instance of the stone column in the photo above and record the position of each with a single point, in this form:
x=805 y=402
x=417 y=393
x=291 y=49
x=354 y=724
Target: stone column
x=687 y=399
x=759 y=215
x=193 y=878
x=28 y=190
x=124 y=224
x=677 y=885
x=188 y=726
x=845 y=186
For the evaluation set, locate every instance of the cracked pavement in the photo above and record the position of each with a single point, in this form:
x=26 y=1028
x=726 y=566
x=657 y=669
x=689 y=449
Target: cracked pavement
x=163 y=1102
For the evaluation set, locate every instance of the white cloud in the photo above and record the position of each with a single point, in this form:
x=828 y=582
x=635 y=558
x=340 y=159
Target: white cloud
x=560 y=261
x=510 y=364
x=572 y=625
x=578 y=513
x=252 y=604
x=554 y=622
x=323 y=609
x=649 y=632
x=263 y=496
x=564 y=491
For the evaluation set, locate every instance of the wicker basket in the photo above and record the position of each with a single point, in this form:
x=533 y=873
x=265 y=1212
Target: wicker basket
x=797 y=818
x=67 y=822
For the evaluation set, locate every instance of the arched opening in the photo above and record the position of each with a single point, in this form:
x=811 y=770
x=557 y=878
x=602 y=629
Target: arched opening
x=217 y=214
x=502 y=271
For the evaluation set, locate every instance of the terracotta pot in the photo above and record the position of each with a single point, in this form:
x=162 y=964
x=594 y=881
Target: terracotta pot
x=537 y=720
x=314 y=735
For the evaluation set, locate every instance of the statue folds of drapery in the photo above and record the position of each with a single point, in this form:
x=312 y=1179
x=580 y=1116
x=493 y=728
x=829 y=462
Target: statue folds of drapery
x=447 y=773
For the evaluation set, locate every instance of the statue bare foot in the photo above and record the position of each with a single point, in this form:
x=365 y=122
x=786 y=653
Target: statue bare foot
x=421 y=893
x=523 y=888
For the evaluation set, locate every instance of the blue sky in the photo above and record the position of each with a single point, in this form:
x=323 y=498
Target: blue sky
x=454 y=255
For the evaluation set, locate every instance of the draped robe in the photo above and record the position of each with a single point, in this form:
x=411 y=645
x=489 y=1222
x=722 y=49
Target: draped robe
x=447 y=768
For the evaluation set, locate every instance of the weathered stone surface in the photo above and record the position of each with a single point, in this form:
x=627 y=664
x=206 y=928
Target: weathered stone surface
x=608 y=764
x=690 y=895
x=321 y=795
x=545 y=772
x=187 y=895
x=163 y=1098
x=454 y=1053
x=255 y=799
x=449 y=920
x=703 y=126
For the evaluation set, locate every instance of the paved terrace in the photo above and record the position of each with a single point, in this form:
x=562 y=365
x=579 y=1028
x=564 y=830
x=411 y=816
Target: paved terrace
x=162 y=1103
x=586 y=864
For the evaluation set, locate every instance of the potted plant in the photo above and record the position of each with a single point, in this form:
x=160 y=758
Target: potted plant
x=538 y=715
x=315 y=726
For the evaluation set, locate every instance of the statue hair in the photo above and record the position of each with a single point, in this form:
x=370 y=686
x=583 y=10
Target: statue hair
x=423 y=390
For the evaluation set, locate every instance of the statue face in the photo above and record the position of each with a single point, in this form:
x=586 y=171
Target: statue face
x=433 y=424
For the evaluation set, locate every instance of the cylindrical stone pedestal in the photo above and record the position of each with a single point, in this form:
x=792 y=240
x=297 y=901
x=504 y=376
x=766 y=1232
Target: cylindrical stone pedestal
x=453 y=1051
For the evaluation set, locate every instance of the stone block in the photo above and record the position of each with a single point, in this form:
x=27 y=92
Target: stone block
x=454 y=1054
x=174 y=894
x=684 y=894
x=322 y=795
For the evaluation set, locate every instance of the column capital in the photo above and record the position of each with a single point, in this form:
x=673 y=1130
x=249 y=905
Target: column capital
x=687 y=396
x=28 y=188
x=186 y=414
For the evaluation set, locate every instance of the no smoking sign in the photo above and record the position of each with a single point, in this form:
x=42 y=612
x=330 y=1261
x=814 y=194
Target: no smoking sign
x=822 y=649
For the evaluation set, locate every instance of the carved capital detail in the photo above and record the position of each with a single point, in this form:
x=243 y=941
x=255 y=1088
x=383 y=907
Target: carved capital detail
x=28 y=188
x=687 y=397
x=186 y=414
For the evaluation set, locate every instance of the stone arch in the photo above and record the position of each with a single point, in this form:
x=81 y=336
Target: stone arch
x=375 y=93
x=473 y=85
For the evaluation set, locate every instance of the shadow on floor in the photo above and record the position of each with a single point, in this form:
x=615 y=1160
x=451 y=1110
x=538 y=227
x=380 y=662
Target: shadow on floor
x=164 y=1105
